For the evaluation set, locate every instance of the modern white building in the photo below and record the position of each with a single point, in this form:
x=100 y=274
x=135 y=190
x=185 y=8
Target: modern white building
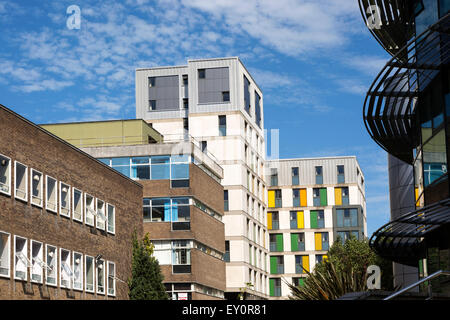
x=217 y=104
x=311 y=202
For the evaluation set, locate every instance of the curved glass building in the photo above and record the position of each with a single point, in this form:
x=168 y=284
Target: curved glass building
x=407 y=113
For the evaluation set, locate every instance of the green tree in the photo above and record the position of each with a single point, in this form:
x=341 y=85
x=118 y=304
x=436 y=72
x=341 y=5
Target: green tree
x=146 y=277
x=343 y=271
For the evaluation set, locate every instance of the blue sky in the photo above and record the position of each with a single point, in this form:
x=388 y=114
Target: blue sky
x=313 y=59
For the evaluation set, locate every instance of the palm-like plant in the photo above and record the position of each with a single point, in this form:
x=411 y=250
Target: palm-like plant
x=328 y=283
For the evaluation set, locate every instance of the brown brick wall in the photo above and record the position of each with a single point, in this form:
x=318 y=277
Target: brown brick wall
x=31 y=146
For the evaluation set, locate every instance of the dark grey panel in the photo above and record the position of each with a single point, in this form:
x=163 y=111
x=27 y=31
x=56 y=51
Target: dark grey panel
x=211 y=87
x=165 y=92
x=401 y=186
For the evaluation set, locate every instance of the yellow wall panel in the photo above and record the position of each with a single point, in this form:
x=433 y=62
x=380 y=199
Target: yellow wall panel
x=305 y=262
x=300 y=220
x=338 y=196
x=269 y=220
x=318 y=241
x=303 y=201
x=271 y=195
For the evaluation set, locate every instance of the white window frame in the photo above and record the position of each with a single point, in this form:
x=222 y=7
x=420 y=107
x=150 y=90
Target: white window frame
x=25 y=198
x=61 y=269
x=7 y=254
x=54 y=266
x=40 y=197
x=81 y=205
x=37 y=264
x=98 y=263
x=113 y=229
x=8 y=178
x=55 y=197
x=113 y=276
x=86 y=210
x=86 y=257
x=67 y=208
x=100 y=218
x=17 y=259
x=80 y=277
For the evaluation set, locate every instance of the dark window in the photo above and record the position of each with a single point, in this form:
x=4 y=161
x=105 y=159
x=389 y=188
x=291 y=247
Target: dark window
x=258 y=109
x=319 y=175
x=226 y=96
x=151 y=81
x=226 y=256
x=185 y=103
x=246 y=95
x=273 y=177
x=204 y=146
x=278 y=200
x=222 y=126
x=296 y=197
x=295 y=179
x=201 y=73
x=185 y=79
x=152 y=105
x=225 y=200
x=179 y=183
x=340 y=174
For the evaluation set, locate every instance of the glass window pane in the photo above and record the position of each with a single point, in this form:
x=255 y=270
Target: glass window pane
x=140 y=172
x=140 y=160
x=183 y=158
x=160 y=171
x=160 y=159
x=125 y=170
x=180 y=171
x=120 y=161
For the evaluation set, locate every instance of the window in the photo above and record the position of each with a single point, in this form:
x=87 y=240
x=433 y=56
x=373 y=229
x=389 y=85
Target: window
x=222 y=126
x=226 y=256
x=77 y=205
x=273 y=177
x=319 y=175
x=320 y=258
x=111 y=266
x=100 y=217
x=275 y=287
x=181 y=214
x=295 y=178
x=77 y=271
x=225 y=96
x=51 y=258
x=296 y=197
x=297 y=220
x=175 y=210
x=340 y=174
x=297 y=242
x=100 y=276
x=5 y=175
x=160 y=168
x=179 y=169
x=65 y=271
x=246 y=95
x=185 y=103
x=89 y=212
x=111 y=228
x=276 y=242
x=181 y=256
x=258 y=109
x=321 y=241
x=278 y=199
x=151 y=82
x=5 y=247
x=320 y=197
x=277 y=264
x=21 y=261
x=225 y=200
x=51 y=194
x=274 y=223
x=298 y=282
x=317 y=219
x=347 y=217
x=201 y=73
x=21 y=181
x=89 y=273
x=36 y=182
x=37 y=261
x=185 y=79
x=64 y=199
x=301 y=264
x=140 y=168
x=343 y=236
x=151 y=105
x=204 y=145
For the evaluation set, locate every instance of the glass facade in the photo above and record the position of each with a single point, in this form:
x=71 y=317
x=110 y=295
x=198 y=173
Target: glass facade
x=175 y=210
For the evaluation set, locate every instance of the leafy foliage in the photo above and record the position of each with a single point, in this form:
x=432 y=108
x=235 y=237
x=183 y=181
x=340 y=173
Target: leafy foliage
x=342 y=272
x=146 y=277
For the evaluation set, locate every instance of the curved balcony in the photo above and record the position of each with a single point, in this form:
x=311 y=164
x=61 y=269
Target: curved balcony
x=390 y=23
x=401 y=240
x=390 y=104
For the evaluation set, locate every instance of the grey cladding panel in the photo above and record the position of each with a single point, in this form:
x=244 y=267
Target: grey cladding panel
x=216 y=81
x=166 y=93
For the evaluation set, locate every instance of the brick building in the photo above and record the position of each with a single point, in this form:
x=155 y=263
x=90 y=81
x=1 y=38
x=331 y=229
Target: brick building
x=66 y=219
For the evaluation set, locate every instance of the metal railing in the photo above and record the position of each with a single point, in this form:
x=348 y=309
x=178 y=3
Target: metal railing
x=432 y=276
